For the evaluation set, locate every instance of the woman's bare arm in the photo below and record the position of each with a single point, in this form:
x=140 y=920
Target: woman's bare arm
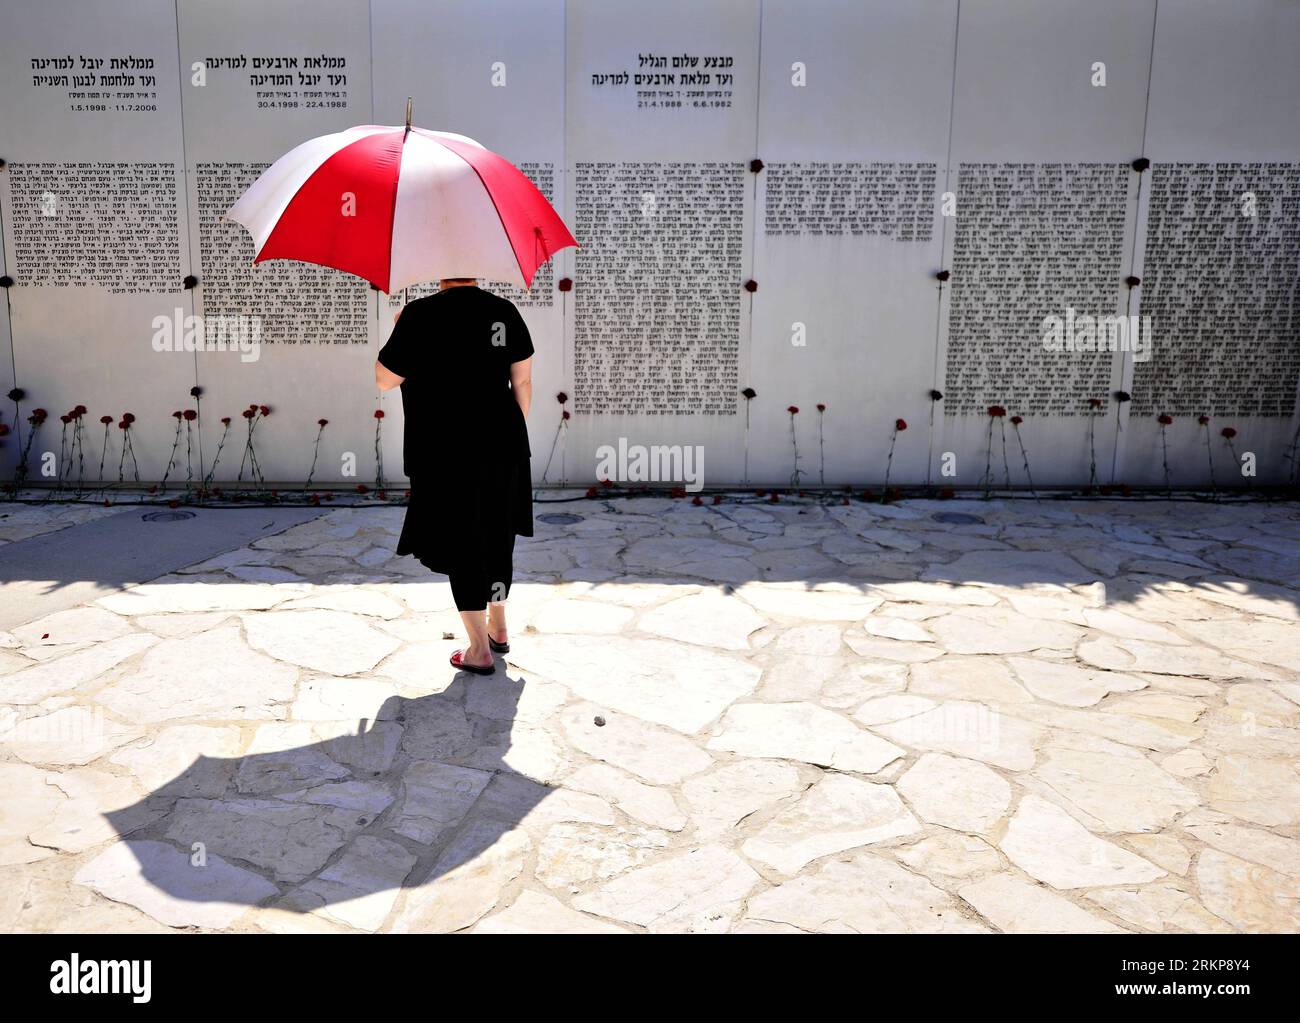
x=521 y=382
x=385 y=378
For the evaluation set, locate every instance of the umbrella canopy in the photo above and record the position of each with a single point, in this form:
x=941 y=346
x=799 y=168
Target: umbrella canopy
x=401 y=205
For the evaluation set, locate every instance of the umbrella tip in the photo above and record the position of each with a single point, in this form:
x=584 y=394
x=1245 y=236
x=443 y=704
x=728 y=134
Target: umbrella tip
x=408 y=116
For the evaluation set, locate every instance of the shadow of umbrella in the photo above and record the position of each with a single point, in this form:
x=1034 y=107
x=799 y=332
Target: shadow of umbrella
x=338 y=826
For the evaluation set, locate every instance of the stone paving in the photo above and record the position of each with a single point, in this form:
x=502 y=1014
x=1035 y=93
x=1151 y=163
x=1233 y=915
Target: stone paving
x=746 y=717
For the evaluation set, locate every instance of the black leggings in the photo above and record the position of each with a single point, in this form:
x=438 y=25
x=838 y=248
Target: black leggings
x=472 y=589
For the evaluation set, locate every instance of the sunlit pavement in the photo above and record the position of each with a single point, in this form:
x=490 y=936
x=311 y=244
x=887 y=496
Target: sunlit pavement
x=1061 y=716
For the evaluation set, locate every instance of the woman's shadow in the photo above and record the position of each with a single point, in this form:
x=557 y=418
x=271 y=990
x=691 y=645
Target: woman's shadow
x=425 y=789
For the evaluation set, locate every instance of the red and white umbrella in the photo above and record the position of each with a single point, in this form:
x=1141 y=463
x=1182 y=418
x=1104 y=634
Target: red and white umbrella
x=402 y=205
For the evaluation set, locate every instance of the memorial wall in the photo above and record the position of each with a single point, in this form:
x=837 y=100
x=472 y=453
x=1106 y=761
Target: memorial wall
x=1084 y=214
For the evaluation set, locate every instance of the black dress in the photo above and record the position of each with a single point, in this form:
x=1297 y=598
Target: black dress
x=465 y=443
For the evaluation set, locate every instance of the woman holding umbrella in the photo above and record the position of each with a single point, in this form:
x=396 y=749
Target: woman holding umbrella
x=463 y=359
x=398 y=205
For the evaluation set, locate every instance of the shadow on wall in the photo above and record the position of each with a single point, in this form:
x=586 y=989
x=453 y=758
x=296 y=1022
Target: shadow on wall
x=340 y=825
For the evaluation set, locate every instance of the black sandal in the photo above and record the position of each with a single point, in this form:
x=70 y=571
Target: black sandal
x=459 y=664
x=498 y=648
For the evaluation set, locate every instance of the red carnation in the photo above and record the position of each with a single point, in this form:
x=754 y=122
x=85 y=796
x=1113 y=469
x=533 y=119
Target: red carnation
x=1164 y=420
x=80 y=410
x=1203 y=420
x=129 y=416
x=793 y=410
x=821 y=408
x=997 y=411
x=717 y=498
x=105 y=419
x=1229 y=432
x=749 y=393
x=561 y=397
x=247 y=413
x=362 y=488
x=1016 y=420
x=176 y=415
x=1095 y=402
x=564 y=414
x=900 y=424
x=65 y=419
x=40 y=412
x=225 y=420
x=190 y=415
x=264 y=409
x=379 y=413
x=591 y=491
x=696 y=500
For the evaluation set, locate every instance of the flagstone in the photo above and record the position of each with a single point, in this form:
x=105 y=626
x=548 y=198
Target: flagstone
x=74 y=627
x=864 y=895
x=351 y=599
x=1010 y=568
x=872 y=648
x=435 y=798
x=1257 y=790
x=802 y=731
x=328 y=698
x=185 y=593
x=1188 y=763
x=1162 y=659
x=897 y=628
x=1047 y=843
x=535 y=913
x=582 y=616
x=707 y=618
x=360 y=888
x=466 y=882
x=1160 y=908
x=70 y=735
x=571 y=856
x=982 y=679
x=213 y=674
x=331 y=642
x=159 y=880
x=657 y=755
x=723 y=798
x=822 y=640
x=1117 y=792
x=839 y=604
x=1071 y=684
x=1149 y=733
x=967 y=729
x=852 y=683
x=1162 y=849
x=30 y=804
x=70 y=670
x=184 y=760
x=1263 y=847
x=1157 y=705
x=950 y=855
x=1000 y=631
x=82 y=821
x=1253 y=598
x=1249 y=896
x=648 y=678
x=838 y=813
x=645 y=803
x=1018 y=907
x=700 y=891
x=892 y=708
x=960 y=794
x=1256 y=564
x=289 y=840
x=1256 y=640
